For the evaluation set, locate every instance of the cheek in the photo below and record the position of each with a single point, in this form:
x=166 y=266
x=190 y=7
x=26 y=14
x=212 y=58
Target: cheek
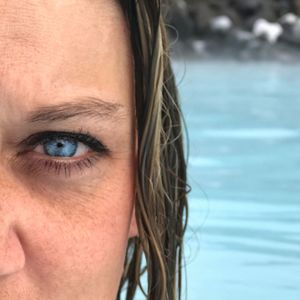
x=81 y=245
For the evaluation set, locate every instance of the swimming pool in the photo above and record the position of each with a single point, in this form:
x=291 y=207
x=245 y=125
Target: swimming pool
x=243 y=240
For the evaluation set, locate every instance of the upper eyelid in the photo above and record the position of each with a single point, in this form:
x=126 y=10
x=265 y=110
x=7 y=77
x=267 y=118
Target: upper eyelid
x=37 y=137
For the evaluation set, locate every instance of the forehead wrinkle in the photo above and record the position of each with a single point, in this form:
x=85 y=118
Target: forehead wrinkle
x=20 y=18
x=19 y=30
x=17 y=49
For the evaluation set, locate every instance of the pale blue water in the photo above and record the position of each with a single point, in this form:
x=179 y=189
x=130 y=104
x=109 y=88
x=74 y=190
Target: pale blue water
x=243 y=241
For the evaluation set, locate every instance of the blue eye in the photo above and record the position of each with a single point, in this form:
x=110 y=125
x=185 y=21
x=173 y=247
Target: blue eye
x=64 y=144
x=60 y=147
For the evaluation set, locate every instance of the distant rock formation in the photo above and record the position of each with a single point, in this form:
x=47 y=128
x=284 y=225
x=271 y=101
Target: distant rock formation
x=239 y=28
x=269 y=31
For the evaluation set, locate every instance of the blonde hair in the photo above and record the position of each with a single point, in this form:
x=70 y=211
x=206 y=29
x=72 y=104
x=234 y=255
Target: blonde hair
x=161 y=202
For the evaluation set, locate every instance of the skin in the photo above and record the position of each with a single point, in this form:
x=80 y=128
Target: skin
x=64 y=237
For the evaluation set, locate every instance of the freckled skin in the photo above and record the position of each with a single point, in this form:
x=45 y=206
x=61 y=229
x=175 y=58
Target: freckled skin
x=64 y=238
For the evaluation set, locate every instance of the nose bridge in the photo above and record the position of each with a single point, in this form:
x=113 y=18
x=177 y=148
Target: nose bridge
x=8 y=197
x=14 y=206
x=12 y=256
x=8 y=193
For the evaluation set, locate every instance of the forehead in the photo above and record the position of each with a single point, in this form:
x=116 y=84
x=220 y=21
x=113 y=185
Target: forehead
x=49 y=44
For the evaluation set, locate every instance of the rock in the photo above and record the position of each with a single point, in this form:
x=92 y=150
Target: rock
x=270 y=31
x=201 y=14
x=288 y=22
x=178 y=17
x=297 y=6
x=297 y=26
x=288 y=19
x=247 y=29
x=291 y=34
x=248 y=7
x=221 y=24
x=243 y=36
x=251 y=10
x=199 y=47
x=296 y=30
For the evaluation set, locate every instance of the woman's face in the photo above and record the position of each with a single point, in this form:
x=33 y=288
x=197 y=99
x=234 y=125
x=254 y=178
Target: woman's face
x=67 y=152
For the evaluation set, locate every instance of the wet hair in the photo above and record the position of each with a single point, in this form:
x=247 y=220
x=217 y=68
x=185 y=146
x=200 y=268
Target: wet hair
x=161 y=197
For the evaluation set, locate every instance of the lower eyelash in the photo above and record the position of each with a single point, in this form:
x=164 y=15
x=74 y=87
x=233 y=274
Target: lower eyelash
x=38 y=166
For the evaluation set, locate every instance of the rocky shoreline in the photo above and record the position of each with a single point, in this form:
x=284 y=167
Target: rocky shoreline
x=238 y=29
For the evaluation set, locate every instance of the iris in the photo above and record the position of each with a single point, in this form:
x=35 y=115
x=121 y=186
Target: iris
x=61 y=147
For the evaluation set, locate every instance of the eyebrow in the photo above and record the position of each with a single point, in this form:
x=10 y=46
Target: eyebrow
x=90 y=107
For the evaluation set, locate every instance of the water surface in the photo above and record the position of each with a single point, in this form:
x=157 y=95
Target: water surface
x=243 y=241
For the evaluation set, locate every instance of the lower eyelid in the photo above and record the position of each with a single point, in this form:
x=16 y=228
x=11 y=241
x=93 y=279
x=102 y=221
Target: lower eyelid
x=67 y=168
